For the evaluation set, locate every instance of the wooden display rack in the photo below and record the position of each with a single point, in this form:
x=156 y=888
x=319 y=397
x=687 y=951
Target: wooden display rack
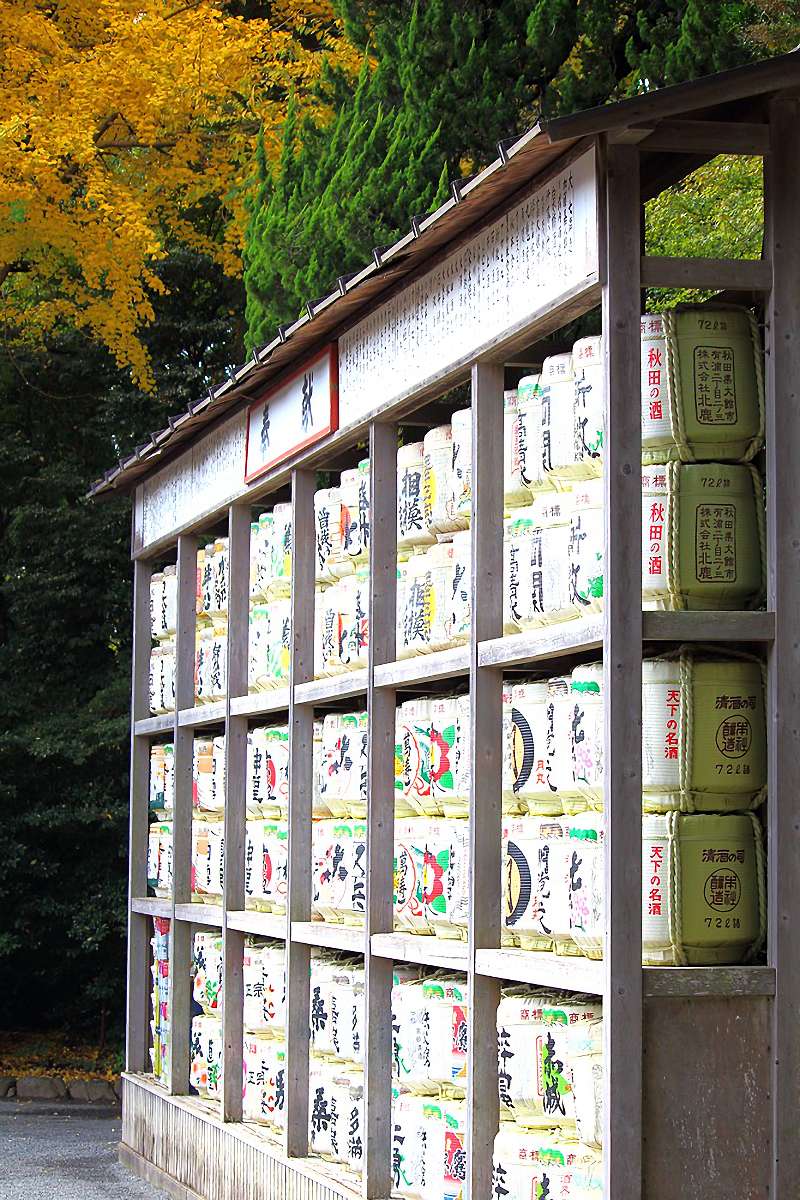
x=702 y=1065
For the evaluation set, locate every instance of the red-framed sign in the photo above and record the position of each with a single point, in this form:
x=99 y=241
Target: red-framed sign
x=292 y=415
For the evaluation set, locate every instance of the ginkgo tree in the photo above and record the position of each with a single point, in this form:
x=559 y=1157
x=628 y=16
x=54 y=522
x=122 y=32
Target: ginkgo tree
x=127 y=125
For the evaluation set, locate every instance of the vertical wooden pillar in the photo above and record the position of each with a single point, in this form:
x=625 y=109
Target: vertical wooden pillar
x=139 y=926
x=181 y=931
x=485 y=800
x=376 y=1181
x=235 y=773
x=783 y=589
x=301 y=734
x=622 y=681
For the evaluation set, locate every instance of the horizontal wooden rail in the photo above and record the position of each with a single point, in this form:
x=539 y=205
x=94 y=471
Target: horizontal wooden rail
x=708 y=137
x=714 y=274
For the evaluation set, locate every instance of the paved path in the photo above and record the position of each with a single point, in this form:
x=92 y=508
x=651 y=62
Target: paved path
x=70 y=1157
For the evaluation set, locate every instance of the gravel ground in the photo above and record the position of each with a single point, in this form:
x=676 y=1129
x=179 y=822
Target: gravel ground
x=69 y=1157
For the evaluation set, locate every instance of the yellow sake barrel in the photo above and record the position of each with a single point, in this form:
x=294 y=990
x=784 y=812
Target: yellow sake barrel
x=557 y=383
x=703 y=732
x=589 y=384
x=586 y=539
x=586 y=714
x=461 y=471
x=412 y=525
x=438 y=492
x=702 y=537
x=702 y=385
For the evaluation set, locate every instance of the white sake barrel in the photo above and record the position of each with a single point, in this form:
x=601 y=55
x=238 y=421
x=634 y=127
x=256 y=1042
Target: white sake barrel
x=205 y=579
x=412 y=527
x=449 y=754
x=414 y=634
x=279 y=642
x=412 y=760
x=585 y=1051
x=586 y=542
x=157 y=605
x=336 y=1113
x=354 y=593
x=511 y=805
x=280 y=582
x=529 y=1163
x=337 y=1007
x=339 y=871
x=264 y=986
x=207 y=971
x=702 y=537
x=703 y=733
x=430 y=1033
x=535 y=883
x=355 y=528
x=408 y=871
x=409 y=1146
x=531 y=448
x=267 y=778
x=263 y=1081
x=159 y=858
x=561 y=718
x=462 y=466
x=203 y=664
x=446 y=1158
x=326 y=631
x=530 y=742
x=702 y=385
x=208 y=845
x=586 y=695
x=205 y=1056
x=534 y=1066
x=536 y=571
x=162 y=778
x=216 y=667
x=332 y=562
x=438 y=490
x=557 y=383
x=441 y=563
x=260 y=555
x=266 y=865
x=219 y=583
x=446 y=877
x=208 y=774
x=515 y=491
x=589 y=370
x=257 y=646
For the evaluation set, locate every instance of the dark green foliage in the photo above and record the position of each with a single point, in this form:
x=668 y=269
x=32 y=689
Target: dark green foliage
x=65 y=415
x=450 y=80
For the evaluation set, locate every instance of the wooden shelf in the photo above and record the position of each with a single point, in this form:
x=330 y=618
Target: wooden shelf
x=421 y=948
x=202 y=714
x=261 y=923
x=329 y=935
x=709 y=981
x=257 y=703
x=163 y=723
x=331 y=687
x=424 y=668
x=550 y=641
x=153 y=906
x=200 y=914
x=709 y=626
x=542 y=968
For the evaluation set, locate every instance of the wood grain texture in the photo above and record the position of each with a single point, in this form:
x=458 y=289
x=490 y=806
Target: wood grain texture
x=274 y=700
x=783 y=590
x=715 y=274
x=622 y=682
x=709 y=137
x=450 y=953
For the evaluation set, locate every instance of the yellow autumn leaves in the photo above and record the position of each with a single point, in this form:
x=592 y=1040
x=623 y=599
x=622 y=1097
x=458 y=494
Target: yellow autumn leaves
x=119 y=121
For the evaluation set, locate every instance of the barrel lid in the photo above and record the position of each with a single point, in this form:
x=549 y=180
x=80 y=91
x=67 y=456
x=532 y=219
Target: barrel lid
x=558 y=367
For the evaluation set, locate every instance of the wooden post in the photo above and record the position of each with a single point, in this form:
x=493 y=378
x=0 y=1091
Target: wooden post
x=783 y=593
x=139 y=926
x=622 y=682
x=377 y=1175
x=301 y=749
x=180 y=990
x=235 y=776
x=485 y=799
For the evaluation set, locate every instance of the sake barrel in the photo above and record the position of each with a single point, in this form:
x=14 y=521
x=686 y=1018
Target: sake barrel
x=557 y=383
x=446 y=877
x=326 y=631
x=531 y=448
x=446 y=1158
x=331 y=559
x=535 y=884
x=511 y=804
x=409 y=1146
x=529 y=749
x=586 y=699
x=412 y=759
x=429 y=1034
x=703 y=733
x=460 y=600
x=355 y=530
x=202 y=664
x=260 y=555
x=207 y=971
x=280 y=581
x=157 y=605
x=702 y=385
x=536 y=574
x=461 y=470
x=275 y=842
x=585 y=1042
x=264 y=985
x=586 y=540
x=354 y=601
x=205 y=1056
x=560 y=732
x=412 y=526
x=534 y=1056
x=336 y=1113
x=515 y=490
x=339 y=871
x=414 y=634
x=279 y=642
x=408 y=870
x=158 y=800
x=263 y=1081
x=438 y=491
x=528 y=1164
x=441 y=564
x=207 y=859
x=267 y=779
x=702 y=537
x=161 y=680
x=449 y=754
x=208 y=774
x=201 y=571
x=159 y=858
x=216 y=673
x=343 y=764
x=219 y=583
x=337 y=1007
x=589 y=391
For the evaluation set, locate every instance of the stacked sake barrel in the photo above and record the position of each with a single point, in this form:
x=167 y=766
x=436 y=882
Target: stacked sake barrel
x=342 y=523
x=264 y=1022
x=163 y=620
x=205 y=1047
x=161 y=804
x=703 y=774
x=430 y=1032
x=339 y=832
x=550 y=1079
x=160 y=1022
x=434 y=506
x=208 y=808
x=702 y=501
x=269 y=645
x=266 y=860
x=336 y=1068
x=211 y=638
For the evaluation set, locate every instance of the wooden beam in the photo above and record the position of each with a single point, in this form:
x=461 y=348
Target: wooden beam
x=708 y=137
x=783 y=588
x=714 y=274
x=301 y=753
x=622 y=683
x=485 y=795
x=139 y=926
x=377 y=1174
